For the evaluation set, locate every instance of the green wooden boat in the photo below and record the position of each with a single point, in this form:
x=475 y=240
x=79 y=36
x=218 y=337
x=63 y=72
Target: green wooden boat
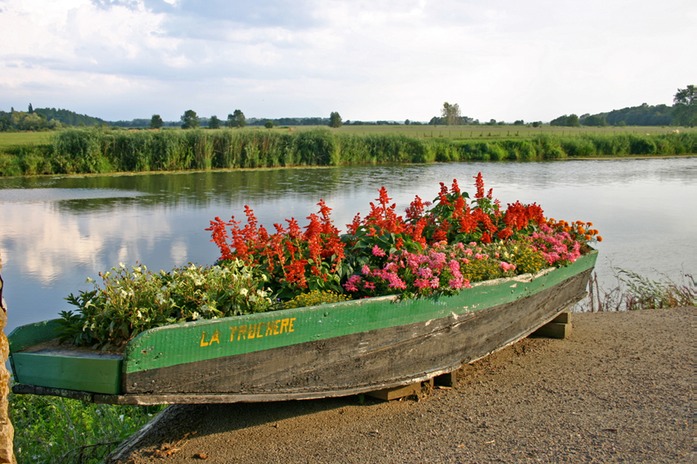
x=330 y=350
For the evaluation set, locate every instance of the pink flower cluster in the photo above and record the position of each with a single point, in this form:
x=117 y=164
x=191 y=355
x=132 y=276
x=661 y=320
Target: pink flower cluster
x=557 y=247
x=436 y=269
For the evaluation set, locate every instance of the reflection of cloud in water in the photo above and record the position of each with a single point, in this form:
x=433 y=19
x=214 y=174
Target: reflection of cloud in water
x=179 y=251
x=43 y=240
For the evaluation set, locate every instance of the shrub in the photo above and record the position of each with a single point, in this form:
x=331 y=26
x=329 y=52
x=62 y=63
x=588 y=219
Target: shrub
x=131 y=301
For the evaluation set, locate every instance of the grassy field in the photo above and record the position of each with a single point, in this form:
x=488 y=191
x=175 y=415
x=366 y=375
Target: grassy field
x=470 y=132
x=14 y=139
x=480 y=132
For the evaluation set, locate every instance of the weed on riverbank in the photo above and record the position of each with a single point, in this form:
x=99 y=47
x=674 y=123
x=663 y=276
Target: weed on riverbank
x=634 y=292
x=61 y=430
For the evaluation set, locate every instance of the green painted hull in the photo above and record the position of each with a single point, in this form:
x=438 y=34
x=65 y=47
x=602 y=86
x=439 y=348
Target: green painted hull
x=329 y=350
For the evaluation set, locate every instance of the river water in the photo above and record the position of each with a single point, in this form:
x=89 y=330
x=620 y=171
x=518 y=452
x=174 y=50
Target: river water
x=57 y=231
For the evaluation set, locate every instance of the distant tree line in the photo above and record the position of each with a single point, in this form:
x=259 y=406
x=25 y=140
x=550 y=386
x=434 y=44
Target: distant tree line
x=682 y=113
x=37 y=119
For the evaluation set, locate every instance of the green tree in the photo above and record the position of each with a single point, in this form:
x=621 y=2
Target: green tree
x=269 y=124
x=156 y=122
x=334 y=119
x=236 y=119
x=570 y=120
x=31 y=109
x=190 y=120
x=685 y=106
x=214 y=122
x=451 y=114
x=597 y=120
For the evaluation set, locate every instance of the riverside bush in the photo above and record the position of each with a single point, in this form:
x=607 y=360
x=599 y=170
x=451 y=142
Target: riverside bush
x=83 y=151
x=131 y=301
x=61 y=430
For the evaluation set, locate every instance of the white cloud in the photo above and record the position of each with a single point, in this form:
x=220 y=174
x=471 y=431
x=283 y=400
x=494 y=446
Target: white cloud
x=386 y=59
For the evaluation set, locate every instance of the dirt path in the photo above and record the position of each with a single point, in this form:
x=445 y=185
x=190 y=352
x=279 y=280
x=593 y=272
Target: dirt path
x=620 y=389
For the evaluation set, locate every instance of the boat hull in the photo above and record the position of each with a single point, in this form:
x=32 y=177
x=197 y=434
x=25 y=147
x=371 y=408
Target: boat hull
x=331 y=350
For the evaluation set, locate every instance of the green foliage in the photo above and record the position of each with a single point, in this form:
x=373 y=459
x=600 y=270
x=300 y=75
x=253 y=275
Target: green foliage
x=643 y=115
x=578 y=146
x=570 y=120
x=334 y=119
x=314 y=298
x=79 y=151
x=85 y=151
x=214 y=122
x=685 y=108
x=131 y=301
x=635 y=292
x=451 y=114
x=60 y=430
x=314 y=148
x=236 y=119
x=596 y=120
x=41 y=119
x=156 y=121
x=190 y=120
x=644 y=293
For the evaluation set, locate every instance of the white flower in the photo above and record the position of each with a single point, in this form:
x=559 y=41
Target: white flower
x=244 y=291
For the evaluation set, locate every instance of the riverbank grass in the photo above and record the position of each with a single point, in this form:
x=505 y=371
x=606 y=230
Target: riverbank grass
x=61 y=430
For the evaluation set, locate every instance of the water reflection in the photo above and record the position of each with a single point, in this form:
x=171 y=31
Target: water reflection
x=57 y=231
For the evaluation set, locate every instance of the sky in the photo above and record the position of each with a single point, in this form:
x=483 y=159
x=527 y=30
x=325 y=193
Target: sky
x=366 y=59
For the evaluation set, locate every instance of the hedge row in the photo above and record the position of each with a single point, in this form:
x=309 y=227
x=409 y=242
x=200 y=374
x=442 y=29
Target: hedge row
x=102 y=151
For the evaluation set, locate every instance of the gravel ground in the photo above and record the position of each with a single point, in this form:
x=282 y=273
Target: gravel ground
x=620 y=389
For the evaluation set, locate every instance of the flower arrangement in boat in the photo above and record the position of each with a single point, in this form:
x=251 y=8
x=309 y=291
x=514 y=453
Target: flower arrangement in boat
x=434 y=248
x=437 y=247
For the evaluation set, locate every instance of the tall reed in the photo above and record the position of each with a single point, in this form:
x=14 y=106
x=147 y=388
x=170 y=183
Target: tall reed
x=100 y=150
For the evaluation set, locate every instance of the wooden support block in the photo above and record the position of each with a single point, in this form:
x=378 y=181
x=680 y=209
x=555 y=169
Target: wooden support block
x=446 y=380
x=554 y=330
x=564 y=318
x=389 y=394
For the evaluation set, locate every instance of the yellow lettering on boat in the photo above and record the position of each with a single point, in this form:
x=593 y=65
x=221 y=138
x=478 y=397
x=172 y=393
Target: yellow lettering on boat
x=252 y=331
x=215 y=338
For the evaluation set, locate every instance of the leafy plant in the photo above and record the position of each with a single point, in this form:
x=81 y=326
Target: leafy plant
x=60 y=430
x=314 y=298
x=636 y=292
x=130 y=301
